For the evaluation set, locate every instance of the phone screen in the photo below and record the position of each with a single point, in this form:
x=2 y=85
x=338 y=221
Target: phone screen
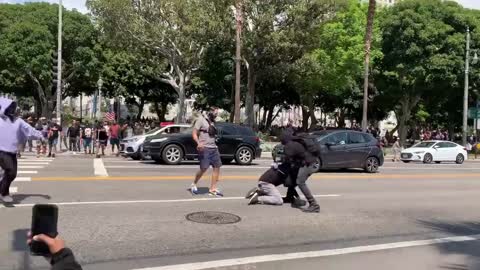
x=44 y=221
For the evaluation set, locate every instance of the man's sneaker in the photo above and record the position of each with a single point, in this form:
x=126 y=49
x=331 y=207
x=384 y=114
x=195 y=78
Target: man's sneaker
x=6 y=199
x=193 y=189
x=53 y=155
x=253 y=199
x=216 y=193
x=251 y=192
x=313 y=208
x=49 y=155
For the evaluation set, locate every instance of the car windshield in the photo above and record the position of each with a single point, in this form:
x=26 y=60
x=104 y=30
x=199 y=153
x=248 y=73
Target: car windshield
x=424 y=145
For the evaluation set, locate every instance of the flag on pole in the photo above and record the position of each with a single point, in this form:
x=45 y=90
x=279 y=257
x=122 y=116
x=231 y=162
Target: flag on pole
x=110 y=116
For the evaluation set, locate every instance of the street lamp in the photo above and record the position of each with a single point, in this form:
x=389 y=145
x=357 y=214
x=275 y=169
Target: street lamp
x=99 y=99
x=59 y=62
x=465 y=93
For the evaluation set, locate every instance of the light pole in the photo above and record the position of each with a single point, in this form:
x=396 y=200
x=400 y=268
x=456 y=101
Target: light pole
x=465 y=90
x=59 y=64
x=99 y=99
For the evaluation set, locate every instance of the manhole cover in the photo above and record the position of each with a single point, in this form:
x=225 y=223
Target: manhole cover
x=213 y=218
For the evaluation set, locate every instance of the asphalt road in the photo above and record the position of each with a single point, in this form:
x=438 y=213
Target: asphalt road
x=121 y=214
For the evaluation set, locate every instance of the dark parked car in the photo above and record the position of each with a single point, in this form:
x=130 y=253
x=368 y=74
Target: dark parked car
x=233 y=141
x=344 y=149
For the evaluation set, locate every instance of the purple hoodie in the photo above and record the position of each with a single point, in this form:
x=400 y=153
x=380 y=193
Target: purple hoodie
x=16 y=132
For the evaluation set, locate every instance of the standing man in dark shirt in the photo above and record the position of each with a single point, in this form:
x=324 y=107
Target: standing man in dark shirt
x=300 y=157
x=53 y=136
x=102 y=139
x=73 y=134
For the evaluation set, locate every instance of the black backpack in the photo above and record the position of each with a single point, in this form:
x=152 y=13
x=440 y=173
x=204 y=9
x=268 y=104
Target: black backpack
x=310 y=143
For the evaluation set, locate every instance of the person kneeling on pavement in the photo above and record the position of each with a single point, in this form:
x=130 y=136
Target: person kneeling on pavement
x=61 y=258
x=267 y=192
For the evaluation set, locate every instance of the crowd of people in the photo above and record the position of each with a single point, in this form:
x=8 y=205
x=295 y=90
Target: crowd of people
x=78 y=136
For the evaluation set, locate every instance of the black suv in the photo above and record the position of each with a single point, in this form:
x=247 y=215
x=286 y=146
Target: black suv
x=233 y=141
x=344 y=149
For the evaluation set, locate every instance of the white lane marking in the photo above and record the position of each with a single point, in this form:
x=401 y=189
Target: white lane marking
x=153 y=167
x=13 y=189
x=30 y=167
x=160 y=201
x=27 y=172
x=33 y=163
x=99 y=168
x=432 y=168
x=312 y=254
x=35 y=160
x=23 y=179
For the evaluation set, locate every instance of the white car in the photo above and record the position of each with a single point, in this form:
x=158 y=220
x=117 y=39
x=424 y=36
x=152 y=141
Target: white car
x=435 y=151
x=132 y=146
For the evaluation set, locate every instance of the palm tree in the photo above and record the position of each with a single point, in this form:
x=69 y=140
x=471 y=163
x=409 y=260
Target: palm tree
x=368 y=43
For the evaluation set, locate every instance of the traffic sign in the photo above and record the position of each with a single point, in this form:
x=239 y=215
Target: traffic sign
x=472 y=112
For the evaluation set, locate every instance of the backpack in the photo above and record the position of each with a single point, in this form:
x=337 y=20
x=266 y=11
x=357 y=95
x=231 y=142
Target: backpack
x=310 y=144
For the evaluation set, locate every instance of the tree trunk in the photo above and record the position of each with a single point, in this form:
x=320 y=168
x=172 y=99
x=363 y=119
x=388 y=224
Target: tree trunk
x=250 y=98
x=313 y=119
x=407 y=103
x=160 y=110
x=140 y=106
x=232 y=108
x=263 y=123
x=368 y=43
x=305 y=116
x=181 y=101
x=341 y=119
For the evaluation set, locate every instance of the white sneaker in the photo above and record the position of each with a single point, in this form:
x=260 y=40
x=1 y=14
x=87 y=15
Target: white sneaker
x=6 y=199
x=193 y=189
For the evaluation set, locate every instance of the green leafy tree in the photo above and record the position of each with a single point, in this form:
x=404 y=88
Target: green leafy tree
x=29 y=35
x=423 y=45
x=177 y=31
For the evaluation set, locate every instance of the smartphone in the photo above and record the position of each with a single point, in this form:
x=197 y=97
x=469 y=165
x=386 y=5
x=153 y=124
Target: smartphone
x=44 y=221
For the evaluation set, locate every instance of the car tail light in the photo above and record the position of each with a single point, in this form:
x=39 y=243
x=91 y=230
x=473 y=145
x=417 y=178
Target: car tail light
x=257 y=139
x=464 y=148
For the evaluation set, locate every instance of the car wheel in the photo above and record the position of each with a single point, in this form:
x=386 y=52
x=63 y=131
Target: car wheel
x=372 y=165
x=428 y=158
x=137 y=156
x=406 y=161
x=244 y=156
x=226 y=160
x=460 y=159
x=172 y=154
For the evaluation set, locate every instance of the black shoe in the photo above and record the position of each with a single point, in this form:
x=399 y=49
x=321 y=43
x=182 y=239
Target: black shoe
x=254 y=199
x=251 y=192
x=297 y=203
x=53 y=155
x=313 y=208
x=49 y=155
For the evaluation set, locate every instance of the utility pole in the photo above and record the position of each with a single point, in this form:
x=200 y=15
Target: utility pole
x=465 y=91
x=59 y=63
x=238 y=57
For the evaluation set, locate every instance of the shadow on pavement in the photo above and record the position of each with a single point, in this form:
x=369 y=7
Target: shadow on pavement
x=19 y=243
x=21 y=197
x=469 y=249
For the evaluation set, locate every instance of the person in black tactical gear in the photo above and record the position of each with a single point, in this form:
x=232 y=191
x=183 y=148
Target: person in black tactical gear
x=300 y=157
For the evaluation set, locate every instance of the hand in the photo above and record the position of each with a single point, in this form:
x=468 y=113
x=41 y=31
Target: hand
x=54 y=244
x=200 y=147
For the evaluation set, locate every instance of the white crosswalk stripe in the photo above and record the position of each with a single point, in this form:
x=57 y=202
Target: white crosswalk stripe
x=29 y=162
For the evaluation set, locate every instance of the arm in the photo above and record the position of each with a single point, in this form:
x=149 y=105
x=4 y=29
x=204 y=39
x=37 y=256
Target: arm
x=195 y=131
x=28 y=132
x=64 y=260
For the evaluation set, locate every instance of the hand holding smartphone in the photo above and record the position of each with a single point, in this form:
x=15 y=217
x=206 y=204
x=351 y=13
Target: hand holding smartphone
x=44 y=221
